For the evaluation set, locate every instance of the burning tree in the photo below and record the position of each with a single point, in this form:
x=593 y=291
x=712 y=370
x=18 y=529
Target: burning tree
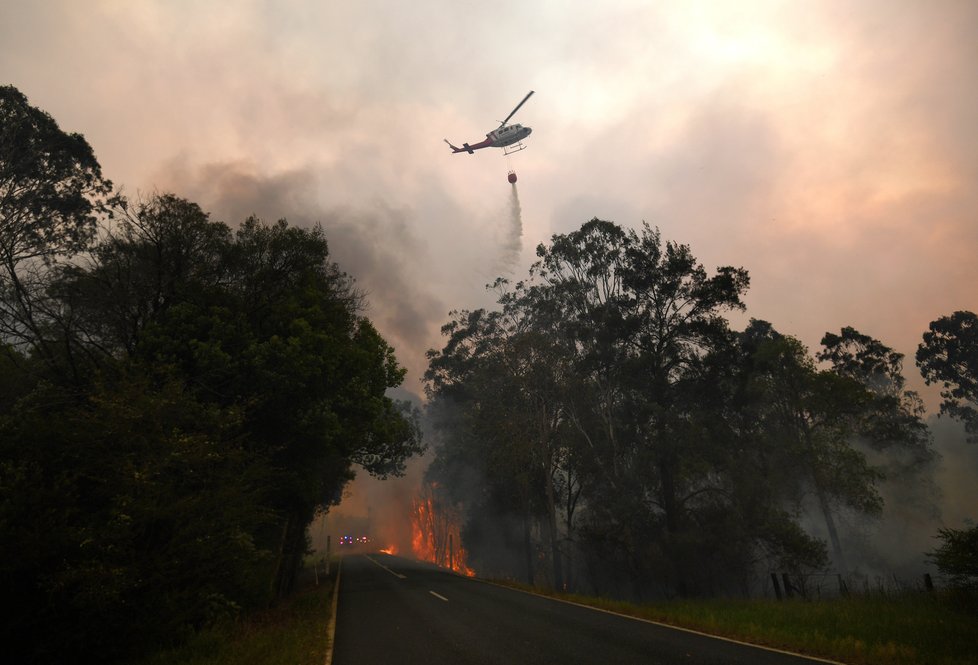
x=436 y=526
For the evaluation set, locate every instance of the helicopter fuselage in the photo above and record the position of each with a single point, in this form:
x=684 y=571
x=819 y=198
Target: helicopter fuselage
x=508 y=135
x=503 y=137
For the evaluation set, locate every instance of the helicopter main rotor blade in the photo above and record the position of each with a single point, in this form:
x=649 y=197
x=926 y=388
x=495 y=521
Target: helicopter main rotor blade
x=516 y=109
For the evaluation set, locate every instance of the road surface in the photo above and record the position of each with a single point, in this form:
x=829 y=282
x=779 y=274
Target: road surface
x=396 y=611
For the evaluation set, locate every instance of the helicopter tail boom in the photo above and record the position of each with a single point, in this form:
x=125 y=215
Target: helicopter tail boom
x=469 y=148
x=466 y=147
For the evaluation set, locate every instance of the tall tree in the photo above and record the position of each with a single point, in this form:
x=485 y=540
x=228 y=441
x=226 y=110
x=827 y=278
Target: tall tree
x=642 y=316
x=481 y=409
x=230 y=383
x=51 y=193
x=894 y=415
x=814 y=414
x=890 y=428
x=949 y=356
x=604 y=349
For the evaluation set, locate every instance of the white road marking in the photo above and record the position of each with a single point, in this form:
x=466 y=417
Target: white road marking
x=377 y=563
x=331 y=629
x=438 y=595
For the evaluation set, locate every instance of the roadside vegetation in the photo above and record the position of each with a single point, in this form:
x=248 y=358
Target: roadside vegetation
x=903 y=628
x=292 y=633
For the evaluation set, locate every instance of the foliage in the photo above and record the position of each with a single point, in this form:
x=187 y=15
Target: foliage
x=949 y=356
x=180 y=401
x=957 y=556
x=51 y=192
x=591 y=397
x=893 y=417
x=291 y=633
x=606 y=429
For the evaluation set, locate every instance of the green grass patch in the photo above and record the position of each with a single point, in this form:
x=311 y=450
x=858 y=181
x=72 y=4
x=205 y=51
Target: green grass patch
x=902 y=629
x=293 y=633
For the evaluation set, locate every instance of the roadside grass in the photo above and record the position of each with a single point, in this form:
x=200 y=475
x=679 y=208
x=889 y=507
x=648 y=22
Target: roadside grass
x=875 y=629
x=292 y=633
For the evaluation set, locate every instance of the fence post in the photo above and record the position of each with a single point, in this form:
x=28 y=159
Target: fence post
x=928 y=582
x=843 y=587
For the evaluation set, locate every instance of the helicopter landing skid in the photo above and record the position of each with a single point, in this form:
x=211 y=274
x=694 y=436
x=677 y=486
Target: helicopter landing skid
x=515 y=147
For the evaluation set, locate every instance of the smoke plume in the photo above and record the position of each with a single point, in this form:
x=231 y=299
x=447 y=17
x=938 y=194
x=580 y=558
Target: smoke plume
x=375 y=244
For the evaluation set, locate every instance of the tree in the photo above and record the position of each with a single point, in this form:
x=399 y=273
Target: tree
x=51 y=193
x=814 y=416
x=894 y=416
x=261 y=324
x=641 y=316
x=949 y=356
x=225 y=384
x=600 y=362
x=176 y=400
x=957 y=556
x=482 y=406
x=129 y=513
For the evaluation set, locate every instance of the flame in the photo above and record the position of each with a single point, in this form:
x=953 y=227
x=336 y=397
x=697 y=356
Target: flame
x=435 y=527
x=390 y=549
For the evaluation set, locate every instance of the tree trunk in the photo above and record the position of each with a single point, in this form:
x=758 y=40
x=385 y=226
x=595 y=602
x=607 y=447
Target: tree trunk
x=837 y=555
x=279 y=562
x=552 y=535
x=290 y=556
x=670 y=505
x=528 y=548
x=823 y=500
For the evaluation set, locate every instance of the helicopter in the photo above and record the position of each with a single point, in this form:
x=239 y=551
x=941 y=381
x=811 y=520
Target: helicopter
x=508 y=137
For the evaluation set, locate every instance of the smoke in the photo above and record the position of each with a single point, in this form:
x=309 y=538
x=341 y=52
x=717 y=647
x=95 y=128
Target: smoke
x=918 y=499
x=956 y=473
x=374 y=243
x=387 y=253
x=381 y=510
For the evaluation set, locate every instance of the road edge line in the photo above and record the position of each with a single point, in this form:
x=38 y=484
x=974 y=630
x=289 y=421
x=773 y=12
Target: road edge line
x=816 y=659
x=331 y=628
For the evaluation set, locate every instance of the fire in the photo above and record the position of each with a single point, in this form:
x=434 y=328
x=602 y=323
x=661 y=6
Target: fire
x=390 y=549
x=435 y=527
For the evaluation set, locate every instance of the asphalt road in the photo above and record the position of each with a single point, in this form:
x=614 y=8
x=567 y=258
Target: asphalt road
x=393 y=610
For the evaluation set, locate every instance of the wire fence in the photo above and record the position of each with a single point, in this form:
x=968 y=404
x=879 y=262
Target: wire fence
x=813 y=586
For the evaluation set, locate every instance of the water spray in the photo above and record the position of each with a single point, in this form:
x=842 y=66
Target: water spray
x=514 y=242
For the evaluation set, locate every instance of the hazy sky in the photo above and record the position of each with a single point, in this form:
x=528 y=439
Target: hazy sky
x=831 y=147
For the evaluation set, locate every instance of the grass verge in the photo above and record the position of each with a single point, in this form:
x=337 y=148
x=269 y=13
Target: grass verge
x=292 y=633
x=905 y=629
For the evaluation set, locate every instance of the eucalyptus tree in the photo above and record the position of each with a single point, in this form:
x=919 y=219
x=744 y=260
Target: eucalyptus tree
x=640 y=316
x=814 y=416
x=495 y=393
x=230 y=384
x=891 y=428
x=894 y=416
x=52 y=193
x=948 y=355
